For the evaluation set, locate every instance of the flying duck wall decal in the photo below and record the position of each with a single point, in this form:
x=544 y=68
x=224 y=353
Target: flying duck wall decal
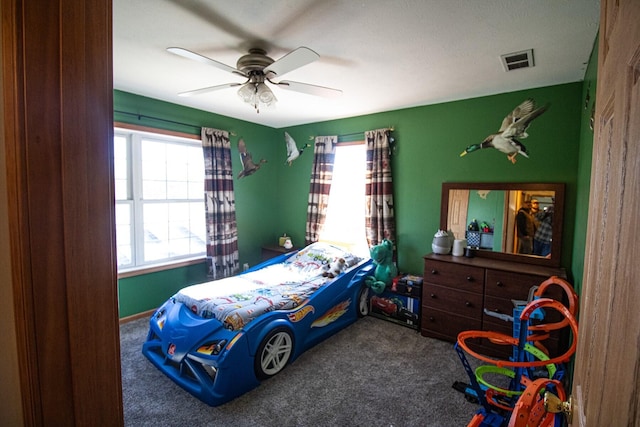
x=248 y=166
x=514 y=126
x=293 y=152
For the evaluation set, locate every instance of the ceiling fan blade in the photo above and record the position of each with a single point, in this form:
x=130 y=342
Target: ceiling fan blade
x=292 y=60
x=325 y=92
x=208 y=89
x=185 y=53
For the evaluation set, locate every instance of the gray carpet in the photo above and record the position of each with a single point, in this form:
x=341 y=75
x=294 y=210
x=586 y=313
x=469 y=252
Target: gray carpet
x=374 y=373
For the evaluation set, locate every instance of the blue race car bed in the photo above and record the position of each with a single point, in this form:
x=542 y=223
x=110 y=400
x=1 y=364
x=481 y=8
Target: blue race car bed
x=219 y=339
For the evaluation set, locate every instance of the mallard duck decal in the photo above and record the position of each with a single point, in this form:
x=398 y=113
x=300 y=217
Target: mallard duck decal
x=248 y=166
x=514 y=126
x=293 y=152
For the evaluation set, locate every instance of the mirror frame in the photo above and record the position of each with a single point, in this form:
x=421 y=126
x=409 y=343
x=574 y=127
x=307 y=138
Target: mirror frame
x=556 y=244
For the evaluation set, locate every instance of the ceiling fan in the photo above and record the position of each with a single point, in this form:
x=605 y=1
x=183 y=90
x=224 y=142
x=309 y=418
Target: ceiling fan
x=258 y=68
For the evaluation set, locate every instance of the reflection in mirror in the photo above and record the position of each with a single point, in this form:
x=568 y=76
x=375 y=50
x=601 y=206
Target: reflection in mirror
x=506 y=221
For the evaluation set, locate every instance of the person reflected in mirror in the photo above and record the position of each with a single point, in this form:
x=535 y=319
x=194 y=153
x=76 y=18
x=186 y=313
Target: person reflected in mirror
x=543 y=235
x=535 y=209
x=526 y=228
x=536 y=215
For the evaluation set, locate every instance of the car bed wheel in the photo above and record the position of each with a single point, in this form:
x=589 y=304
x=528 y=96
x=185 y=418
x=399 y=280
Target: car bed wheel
x=363 y=302
x=273 y=353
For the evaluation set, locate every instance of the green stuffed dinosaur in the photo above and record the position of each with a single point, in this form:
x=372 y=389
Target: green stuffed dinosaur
x=386 y=270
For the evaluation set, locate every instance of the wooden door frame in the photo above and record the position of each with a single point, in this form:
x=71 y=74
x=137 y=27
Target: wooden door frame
x=58 y=132
x=606 y=376
x=458 y=206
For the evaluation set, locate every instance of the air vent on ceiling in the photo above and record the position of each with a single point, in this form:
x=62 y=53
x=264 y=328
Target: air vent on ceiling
x=516 y=60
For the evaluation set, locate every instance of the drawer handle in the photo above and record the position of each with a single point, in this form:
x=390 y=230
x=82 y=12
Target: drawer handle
x=432 y=319
x=499 y=284
x=433 y=296
x=434 y=271
x=468 y=304
x=470 y=278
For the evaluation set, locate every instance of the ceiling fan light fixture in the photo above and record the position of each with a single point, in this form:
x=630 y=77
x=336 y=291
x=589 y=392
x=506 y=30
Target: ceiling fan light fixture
x=257 y=94
x=247 y=92
x=265 y=95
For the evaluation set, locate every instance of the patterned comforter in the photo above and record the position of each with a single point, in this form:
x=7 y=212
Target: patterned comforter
x=235 y=301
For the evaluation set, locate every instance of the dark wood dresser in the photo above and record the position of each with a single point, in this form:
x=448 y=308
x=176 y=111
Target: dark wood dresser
x=457 y=290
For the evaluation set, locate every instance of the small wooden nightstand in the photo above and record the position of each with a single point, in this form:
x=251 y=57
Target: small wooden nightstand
x=269 y=252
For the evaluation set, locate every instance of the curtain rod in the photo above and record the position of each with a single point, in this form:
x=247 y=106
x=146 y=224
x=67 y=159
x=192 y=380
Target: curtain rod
x=140 y=116
x=390 y=128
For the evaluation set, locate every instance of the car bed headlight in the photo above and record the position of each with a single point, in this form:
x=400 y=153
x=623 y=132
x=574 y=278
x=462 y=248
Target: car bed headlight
x=160 y=317
x=213 y=348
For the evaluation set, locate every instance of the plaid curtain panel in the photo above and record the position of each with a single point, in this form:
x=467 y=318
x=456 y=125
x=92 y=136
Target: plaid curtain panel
x=380 y=221
x=321 y=175
x=220 y=209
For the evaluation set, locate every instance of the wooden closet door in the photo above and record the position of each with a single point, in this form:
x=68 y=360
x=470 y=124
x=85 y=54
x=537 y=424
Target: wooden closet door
x=57 y=78
x=606 y=385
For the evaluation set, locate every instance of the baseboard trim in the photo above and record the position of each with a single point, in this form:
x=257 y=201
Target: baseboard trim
x=137 y=316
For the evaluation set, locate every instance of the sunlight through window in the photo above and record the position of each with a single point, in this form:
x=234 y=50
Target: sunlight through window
x=344 y=224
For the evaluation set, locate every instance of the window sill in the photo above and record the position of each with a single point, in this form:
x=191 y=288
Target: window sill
x=139 y=271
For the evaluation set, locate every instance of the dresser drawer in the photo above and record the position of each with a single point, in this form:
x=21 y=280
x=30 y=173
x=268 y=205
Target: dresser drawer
x=462 y=277
x=443 y=324
x=505 y=284
x=464 y=303
x=497 y=325
x=498 y=306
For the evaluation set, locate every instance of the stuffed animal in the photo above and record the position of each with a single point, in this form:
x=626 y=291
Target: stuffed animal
x=386 y=270
x=335 y=268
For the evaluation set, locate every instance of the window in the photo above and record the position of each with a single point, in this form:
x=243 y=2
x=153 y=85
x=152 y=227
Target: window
x=344 y=223
x=159 y=187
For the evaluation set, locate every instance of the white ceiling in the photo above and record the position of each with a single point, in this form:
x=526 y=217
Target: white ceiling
x=384 y=55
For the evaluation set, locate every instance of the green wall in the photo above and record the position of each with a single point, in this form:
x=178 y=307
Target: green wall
x=584 y=169
x=148 y=291
x=429 y=142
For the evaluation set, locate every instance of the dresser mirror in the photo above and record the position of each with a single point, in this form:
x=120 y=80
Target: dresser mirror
x=489 y=215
